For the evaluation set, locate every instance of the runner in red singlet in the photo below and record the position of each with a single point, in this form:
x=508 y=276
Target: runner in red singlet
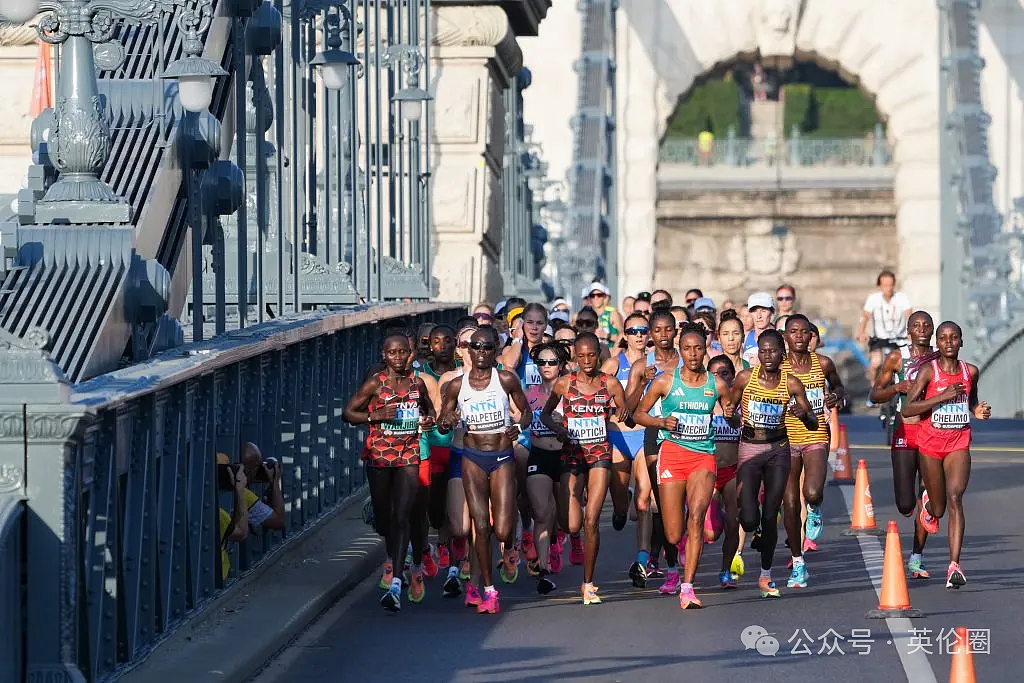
x=945 y=394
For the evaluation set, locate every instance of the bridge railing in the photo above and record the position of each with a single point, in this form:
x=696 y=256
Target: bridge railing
x=735 y=151
x=126 y=496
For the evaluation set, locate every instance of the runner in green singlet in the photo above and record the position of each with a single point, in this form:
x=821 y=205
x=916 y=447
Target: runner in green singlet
x=609 y=320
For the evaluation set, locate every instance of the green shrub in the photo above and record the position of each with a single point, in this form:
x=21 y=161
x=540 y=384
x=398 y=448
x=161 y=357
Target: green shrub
x=712 y=105
x=828 y=112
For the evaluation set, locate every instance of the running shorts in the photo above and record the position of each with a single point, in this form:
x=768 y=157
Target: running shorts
x=424 y=472
x=906 y=436
x=440 y=456
x=676 y=463
x=799 y=451
x=543 y=461
x=936 y=444
x=724 y=476
x=488 y=461
x=629 y=443
x=455 y=464
x=774 y=454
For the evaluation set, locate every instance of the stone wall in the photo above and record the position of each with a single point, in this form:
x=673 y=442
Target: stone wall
x=18 y=53
x=834 y=245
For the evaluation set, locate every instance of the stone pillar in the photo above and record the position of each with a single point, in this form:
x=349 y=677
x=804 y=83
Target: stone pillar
x=19 y=48
x=474 y=53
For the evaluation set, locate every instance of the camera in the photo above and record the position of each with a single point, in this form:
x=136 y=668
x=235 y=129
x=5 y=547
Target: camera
x=265 y=474
x=226 y=475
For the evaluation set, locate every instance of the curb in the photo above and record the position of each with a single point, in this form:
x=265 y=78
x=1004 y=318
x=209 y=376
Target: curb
x=237 y=635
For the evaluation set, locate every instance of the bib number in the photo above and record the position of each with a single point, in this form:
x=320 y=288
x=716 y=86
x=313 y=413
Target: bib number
x=816 y=397
x=691 y=427
x=723 y=430
x=407 y=420
x=952 y=415
x=538 y=428
x=531 y=375
x=764 y=415
x=585 y=430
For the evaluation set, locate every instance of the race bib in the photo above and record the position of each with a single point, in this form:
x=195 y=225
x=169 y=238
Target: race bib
x=952 y=415
x=816 y=397
x=407 y=420
x=587 y=429
x=691 y=427
x=485 y=414
x=763 y=415
x=538 y=428
x=531 y=375
x=723 y=430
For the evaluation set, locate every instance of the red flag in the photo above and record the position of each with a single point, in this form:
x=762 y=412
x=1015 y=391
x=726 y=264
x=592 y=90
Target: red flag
x=42 y=87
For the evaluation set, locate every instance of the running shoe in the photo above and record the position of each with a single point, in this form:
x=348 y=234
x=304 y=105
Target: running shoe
x=814 y=524
x=737 y=567
x=798 y=577
x=810 y=546
x=452 y=586
x=508 y=569
x=544 y=584
x=533 y=567
x=392 y=599
x=916 y=569
x=528 y=546
x=671 y=584
x=560 y=539
x=930 y=524
x=767 y=588
x=955 y=576
x=638 y=575
x=489 y=605
x=619 y=520
x=590 y=596
x=576 y=550
x=555 y=558
x=430 y=568
x=688 y=599
x=653 y=571
x=726 y=579
x=473 y=598
x=755 y=542
x=444 y=558
x=387 y=576
x=465 y=570
x=460 y=548
x=416 y=588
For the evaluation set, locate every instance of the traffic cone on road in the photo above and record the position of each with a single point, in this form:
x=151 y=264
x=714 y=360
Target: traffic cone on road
x=894 y=600
x=961 y=669
x=843 y=473
x=862 y=516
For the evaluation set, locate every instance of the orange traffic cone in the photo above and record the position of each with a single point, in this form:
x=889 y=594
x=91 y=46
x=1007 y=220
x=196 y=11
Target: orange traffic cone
x=895 y=600
x=843 y=473
x=862 y=522
x=962 y=668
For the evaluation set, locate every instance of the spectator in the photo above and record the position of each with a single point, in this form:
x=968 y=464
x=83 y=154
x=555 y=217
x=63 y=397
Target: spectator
x=660 y=298
x=888 y=311
x=258 y=470
x=234 y=526
x=704 y=305
x=785 y=300
x=705 y=145
x=483 y=313
x=762 y=310
x=627 y=306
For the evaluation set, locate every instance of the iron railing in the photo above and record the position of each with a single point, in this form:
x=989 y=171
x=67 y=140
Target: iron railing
x=12 y=586
x=588 y=250
x=130 y=549
x=735 y=151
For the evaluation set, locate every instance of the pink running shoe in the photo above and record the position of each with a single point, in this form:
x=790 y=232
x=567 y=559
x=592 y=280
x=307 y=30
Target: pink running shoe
x=444 y=558
x=688 y=600
x=555 y=558
x=429 y=566
x=671 y=583
x=473 y=598
x=460 y=547
x=528 y=547
x=810 y=546
x=576 y=550
x=560 y=539
x=930 y=524
x=489 y=605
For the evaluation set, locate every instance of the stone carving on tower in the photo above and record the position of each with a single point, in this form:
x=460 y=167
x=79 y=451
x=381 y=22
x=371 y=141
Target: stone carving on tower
x=776 y=24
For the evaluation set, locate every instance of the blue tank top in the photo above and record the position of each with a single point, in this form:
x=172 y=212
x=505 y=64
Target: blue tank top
x=527 y=370
x=622 y=374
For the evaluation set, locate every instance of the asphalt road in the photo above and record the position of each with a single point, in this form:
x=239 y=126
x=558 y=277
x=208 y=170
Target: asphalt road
x=642 y=635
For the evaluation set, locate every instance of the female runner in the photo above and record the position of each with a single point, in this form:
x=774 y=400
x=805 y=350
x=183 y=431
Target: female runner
x=945 y=394
x=396 y=405
x=763 y=394
x=587 y=397
x=727 y=443
x=686 y=457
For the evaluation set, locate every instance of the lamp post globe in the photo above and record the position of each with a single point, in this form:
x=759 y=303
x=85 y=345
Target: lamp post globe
x=334 y=76
x=195 y=92
x=19 y=11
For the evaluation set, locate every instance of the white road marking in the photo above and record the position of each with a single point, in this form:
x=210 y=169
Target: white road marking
x=915 y=664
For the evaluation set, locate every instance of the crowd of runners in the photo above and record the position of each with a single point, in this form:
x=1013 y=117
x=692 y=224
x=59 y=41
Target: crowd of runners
x=703 y=423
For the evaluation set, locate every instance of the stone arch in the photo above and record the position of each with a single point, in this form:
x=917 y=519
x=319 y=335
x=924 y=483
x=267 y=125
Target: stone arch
x=665 y=45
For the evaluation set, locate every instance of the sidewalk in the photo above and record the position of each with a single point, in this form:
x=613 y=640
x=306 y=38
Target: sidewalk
x=242 y=631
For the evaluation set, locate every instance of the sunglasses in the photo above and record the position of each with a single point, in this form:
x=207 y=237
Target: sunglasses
x=549 y=363
x=638 y=330
x=596 y=293
x=692 y=300
x=783 y=298
x=485 y=346
x=565 y=342
x=483 y=316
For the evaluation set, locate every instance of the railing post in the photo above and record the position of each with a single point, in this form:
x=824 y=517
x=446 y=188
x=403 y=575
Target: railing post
x=37 y=461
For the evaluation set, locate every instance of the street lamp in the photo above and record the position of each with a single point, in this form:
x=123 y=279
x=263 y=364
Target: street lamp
x=195 y=74
x=335 y=64
x=411 y=98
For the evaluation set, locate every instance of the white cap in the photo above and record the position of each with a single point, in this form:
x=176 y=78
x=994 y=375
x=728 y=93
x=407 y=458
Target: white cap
x=596 y=286
x=549 y=331
x=558 y=302
x=760 y=300
x=559 y=315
